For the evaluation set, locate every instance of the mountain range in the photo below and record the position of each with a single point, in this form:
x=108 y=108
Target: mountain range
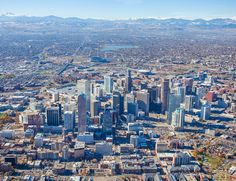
x=213 y=23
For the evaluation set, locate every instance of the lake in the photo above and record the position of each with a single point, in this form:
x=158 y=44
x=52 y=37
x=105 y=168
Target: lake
x=117 y=47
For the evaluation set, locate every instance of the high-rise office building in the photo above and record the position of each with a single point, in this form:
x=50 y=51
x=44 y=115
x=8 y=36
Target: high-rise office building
x=189 y=102
x=98 y=91
x=153 y=92
x=55 y=96
x=132 y=108
x=115 y=117
x=60 y=113
x=164 y=94
x=108 y=84
x=143 y=101
x=92 y=87
x=178 y=118
x=200 y=93
x=53 y=116
x=159 y=94
x=181 y=91
x=69 y=120
x=82 y=114
x=205 y=111
x=83 y=86
x=128 y=81
x=106 y=119
x=174 y=103
x=118 y=100
x=95 y=108
x=188 y=83
x=129 y=98
x=69 y=106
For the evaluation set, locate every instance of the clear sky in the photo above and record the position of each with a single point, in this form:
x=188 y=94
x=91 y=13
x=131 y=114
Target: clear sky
x=122 y=9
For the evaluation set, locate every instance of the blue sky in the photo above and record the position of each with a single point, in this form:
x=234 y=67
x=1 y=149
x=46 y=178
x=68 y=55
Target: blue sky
x=122 y=9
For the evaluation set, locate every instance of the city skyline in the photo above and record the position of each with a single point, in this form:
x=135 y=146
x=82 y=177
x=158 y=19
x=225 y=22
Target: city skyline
x=117 y=90
x=121 y=9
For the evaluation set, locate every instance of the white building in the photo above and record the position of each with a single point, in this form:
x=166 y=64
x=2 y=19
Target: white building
x=205 y=111
x=189 y=102
x=178 y=118
x=108 y=84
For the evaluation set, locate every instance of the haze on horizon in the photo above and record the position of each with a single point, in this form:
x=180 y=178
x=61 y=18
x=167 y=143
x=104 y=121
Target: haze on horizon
x=122 y=9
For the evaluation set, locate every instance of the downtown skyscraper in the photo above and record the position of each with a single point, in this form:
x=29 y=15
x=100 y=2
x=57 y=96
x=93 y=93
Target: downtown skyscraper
x=108 y=84
x=84 y=87
x=128 y=81
x=82 y=114
x=164 y=94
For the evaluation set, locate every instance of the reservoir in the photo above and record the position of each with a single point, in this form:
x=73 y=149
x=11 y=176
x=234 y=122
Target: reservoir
x=110 y=47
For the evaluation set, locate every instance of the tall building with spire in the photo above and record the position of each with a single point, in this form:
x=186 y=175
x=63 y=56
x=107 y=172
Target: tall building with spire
x=128 y=81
